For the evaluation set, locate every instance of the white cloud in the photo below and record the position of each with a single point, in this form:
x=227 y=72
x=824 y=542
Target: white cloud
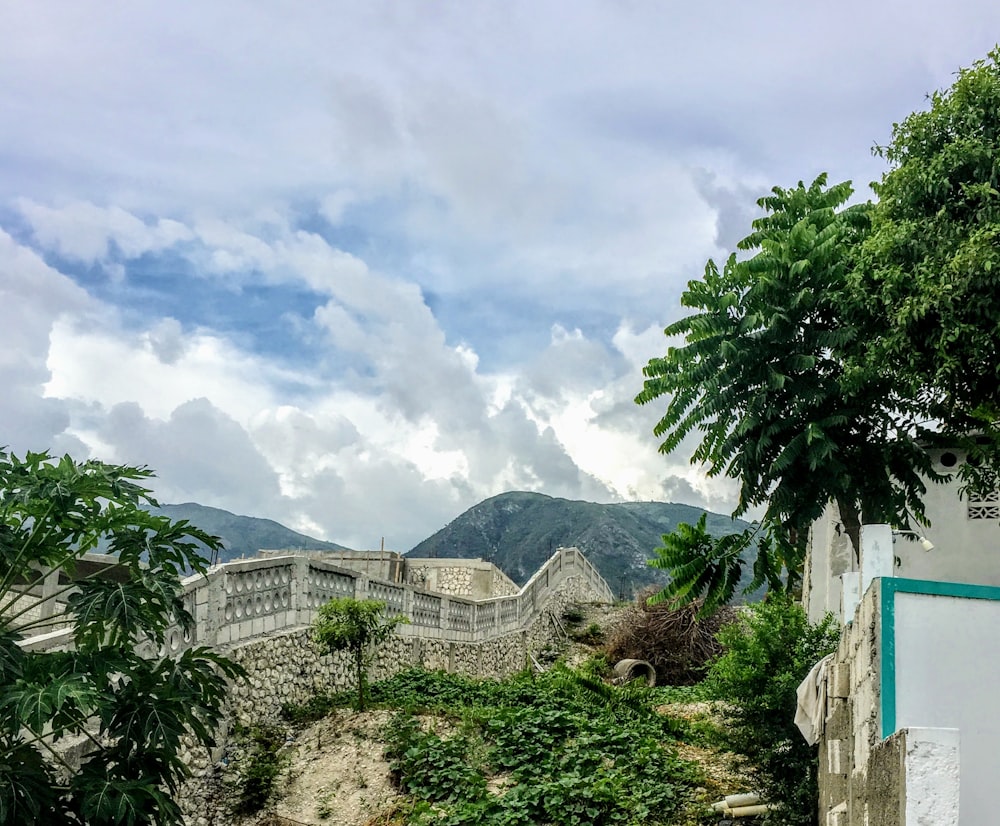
x=84 y=231
x=199 y=454
x=368 y=264
x=111 y=367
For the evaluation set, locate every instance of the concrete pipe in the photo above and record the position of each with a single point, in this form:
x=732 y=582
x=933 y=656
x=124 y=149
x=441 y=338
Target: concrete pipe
x=629 y=670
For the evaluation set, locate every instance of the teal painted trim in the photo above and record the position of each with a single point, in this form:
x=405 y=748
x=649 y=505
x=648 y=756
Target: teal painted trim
x=890 y=586
x=887 y=611
x=964 y=590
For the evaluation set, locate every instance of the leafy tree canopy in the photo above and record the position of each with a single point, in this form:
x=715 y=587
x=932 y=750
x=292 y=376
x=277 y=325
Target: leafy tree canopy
x=132 y=710
x=769 y=377
x=931 y=263
x=818 y=367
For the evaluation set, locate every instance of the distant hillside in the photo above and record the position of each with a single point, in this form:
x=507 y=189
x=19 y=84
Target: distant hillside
x=518 y=532
x=244 y=535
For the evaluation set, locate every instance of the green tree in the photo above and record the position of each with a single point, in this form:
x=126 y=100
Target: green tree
x=772 y=385
x=931 y=263
x=820 y=368
x=358 y=627
x=769 y=650
x=131 y=710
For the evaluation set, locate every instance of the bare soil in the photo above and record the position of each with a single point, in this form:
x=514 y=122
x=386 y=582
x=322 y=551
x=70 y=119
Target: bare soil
x=337 y=775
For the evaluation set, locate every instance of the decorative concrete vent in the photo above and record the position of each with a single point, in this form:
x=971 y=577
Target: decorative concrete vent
x=984 y=505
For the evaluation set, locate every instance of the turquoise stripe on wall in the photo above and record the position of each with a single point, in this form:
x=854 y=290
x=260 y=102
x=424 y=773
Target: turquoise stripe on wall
x=889 y=587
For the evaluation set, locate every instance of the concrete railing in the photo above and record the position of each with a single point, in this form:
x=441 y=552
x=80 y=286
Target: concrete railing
x=248 y=598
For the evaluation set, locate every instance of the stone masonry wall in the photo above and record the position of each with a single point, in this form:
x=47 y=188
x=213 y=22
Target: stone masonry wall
x=285 y=668
x=471 y=578
x=848 y=791
x=502 y=585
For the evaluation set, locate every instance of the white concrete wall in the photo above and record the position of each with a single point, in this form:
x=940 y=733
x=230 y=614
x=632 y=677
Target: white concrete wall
x=965 y=549
x=830 y=554
x=931 y=782
x=248 y=598
x=947 y=670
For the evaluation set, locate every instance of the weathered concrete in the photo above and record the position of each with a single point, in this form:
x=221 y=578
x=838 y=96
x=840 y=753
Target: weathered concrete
x=910 y=778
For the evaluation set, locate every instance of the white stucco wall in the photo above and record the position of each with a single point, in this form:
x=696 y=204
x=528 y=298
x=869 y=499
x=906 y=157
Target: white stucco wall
x=965 y=549
x=830 y=555
x=966 y=537
x=947 y=669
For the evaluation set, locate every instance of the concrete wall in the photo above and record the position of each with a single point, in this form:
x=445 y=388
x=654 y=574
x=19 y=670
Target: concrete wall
x=387 y=565
x=964 y=533
x=258 y=612
x=909 y=735
x=248 y=598
x=946 y=672
x=284 y=667
x=471 y=578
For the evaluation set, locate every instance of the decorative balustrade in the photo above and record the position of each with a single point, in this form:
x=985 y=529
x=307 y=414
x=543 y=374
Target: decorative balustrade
x=246 y=598
x=426 y=609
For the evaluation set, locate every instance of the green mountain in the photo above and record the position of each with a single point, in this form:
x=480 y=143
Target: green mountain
x=518 y=531
x=244 y=535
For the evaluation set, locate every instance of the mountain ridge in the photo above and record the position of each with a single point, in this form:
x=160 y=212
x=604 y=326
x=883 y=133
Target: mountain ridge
x=518 y=530
x=244 y=535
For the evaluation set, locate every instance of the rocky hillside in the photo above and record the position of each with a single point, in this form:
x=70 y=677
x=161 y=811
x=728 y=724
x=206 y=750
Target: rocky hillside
x=518 y=531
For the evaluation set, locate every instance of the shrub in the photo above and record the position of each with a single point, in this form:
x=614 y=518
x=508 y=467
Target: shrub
x=566 y=751
x=262 y=766
x=769 y=651
x=53 y=513
x=358 y=627
x=674 y=641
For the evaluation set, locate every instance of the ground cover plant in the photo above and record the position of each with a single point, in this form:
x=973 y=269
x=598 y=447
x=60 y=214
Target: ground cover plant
x=555 y=748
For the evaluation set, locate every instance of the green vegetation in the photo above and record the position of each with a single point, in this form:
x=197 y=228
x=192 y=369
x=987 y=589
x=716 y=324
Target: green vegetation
x=260 y=770
x=780 y=379
x=52 y=512
x=931 y=261
x=568 y=747
x=358 y=627
x=769 y=651
x=556 y=748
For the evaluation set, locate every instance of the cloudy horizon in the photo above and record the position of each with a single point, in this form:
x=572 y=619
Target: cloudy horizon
x=357 y=267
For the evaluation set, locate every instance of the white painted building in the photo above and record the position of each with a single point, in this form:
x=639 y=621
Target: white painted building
x=965 y=534
x=909 y=730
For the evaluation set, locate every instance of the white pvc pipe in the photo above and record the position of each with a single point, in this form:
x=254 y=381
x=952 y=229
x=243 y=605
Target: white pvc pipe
x=734 y=801
x=750 y=811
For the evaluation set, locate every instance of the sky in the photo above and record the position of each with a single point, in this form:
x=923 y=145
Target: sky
x=358 y=266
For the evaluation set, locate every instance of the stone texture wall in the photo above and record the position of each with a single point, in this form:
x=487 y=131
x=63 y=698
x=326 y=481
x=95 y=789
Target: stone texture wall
x=502 y=585
x=471 y=578
x=285 y=668
x=852 y=728
x=453 y=580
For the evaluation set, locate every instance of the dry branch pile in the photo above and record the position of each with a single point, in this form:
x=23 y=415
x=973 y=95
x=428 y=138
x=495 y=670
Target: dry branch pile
x=673 y=640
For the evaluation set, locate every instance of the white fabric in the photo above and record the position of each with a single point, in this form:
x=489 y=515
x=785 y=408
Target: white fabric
x=810 y=710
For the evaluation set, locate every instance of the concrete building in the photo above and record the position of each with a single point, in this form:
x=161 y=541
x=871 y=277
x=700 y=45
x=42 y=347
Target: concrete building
x=965 y=533
x=905 y=721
